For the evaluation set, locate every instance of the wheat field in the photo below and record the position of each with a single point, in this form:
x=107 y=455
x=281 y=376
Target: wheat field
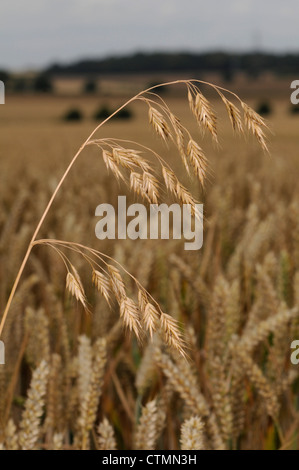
x=219 y=376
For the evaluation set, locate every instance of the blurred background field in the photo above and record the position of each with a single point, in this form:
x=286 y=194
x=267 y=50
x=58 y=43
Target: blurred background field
x=239 y=380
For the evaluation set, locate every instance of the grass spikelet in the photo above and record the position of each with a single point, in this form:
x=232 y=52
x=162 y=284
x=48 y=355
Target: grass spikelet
x=234 y=114
x=117 y=283
x=184 y=195
x=192 y=436
x=136 y=184
x=142 y=299
x=129 y=158
x=150 y=317
x=30 y=424
x=130 y=315
x=191 y=100
x=186 y=198
x=151 y=187
x=255 y=123
x=197 y=160
x=170 y=179
x=74 y=285
x=112 y=165
x=204 y=114
x=102 y=284
x=179 y=133
x=179 y=130
x=171 y=333
x=158 y=122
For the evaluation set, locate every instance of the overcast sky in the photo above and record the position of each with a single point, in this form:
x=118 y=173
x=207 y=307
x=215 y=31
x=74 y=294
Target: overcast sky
x=35 y=33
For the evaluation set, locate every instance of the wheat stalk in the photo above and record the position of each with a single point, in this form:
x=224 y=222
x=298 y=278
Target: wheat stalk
x=146 y=433
x=30 y=424
x=192 y=437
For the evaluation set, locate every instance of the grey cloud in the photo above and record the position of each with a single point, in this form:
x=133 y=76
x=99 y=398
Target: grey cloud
x=36 y=32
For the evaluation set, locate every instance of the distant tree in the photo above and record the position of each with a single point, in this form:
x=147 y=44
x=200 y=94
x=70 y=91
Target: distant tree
x=228 y=70
x=90 y=86
x=72 y=115
x=4 y=76
x=294 y=110
x=43 y=84
x=252 y=63
x=124 y=114
x=160 y=90
x=104 y=112
x=20 y=84
x=264 y=108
